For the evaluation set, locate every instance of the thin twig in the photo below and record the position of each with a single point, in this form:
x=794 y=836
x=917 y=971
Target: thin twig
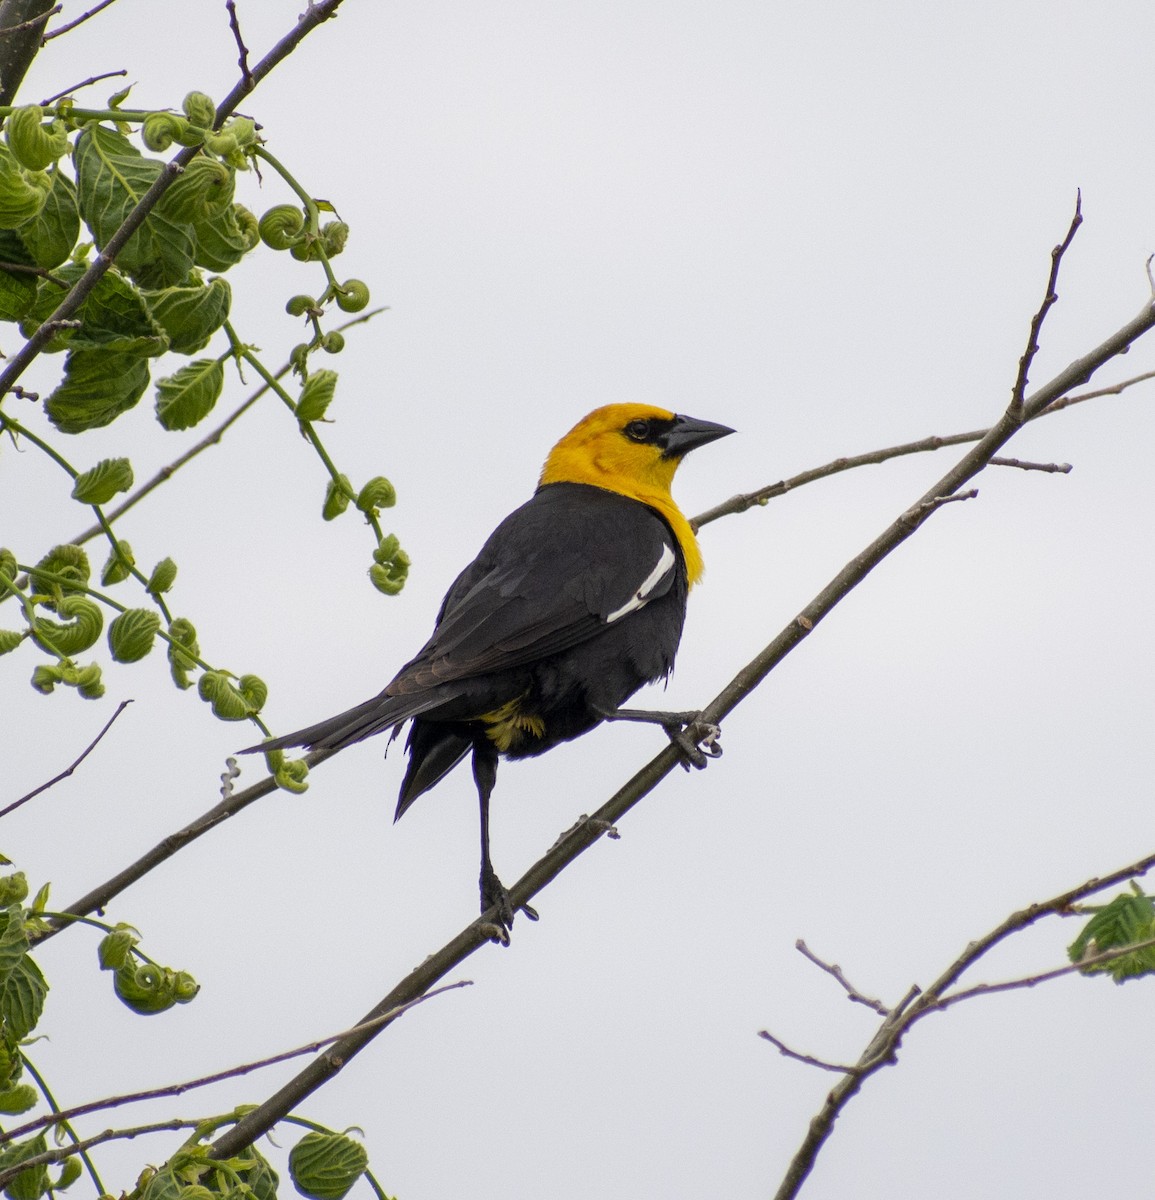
x=1050 y=468
x=68 y=770
x=80 y=21
x=178 y=1089
x=835 y=971
x=242 y=49
x=109 y=1135
x=85 y=83
x=808 y=1059
x=1019 y=391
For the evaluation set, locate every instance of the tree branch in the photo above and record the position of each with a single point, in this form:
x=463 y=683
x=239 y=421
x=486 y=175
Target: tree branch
x=21 y=31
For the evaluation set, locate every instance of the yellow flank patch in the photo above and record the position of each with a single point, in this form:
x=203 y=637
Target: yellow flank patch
x=596 y=452
x=506 y=725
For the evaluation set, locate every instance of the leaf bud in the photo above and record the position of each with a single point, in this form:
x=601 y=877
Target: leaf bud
x=119 y=565
x=299 y=356
x=334 y=235
x=298 y=306
x=131 y=635
x=184 y=634
x=22 y=193
x=102 y=482
x=377 y=493
x=337 y=496
x=200 y=110
x=316 y=395
x=45 y=678
x=34 y=144
x=324 y=1166
x=161 y=129
x=204 y=190
x=218 y=690
x=386 y=580
x=352 y=296
x=10 y=639
x=13 y=889
x=67 y=562
x=88 y=682
x=7 y=564
x=255 y=691
x=84 y=623
x=282 y=226
x=162 y=578
x=291 y=776
x=115 y=948
x=18 y=1099
x=333 y=342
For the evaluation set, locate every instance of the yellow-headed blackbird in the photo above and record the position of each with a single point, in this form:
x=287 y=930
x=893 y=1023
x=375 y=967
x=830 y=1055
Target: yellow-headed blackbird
x=576 y=600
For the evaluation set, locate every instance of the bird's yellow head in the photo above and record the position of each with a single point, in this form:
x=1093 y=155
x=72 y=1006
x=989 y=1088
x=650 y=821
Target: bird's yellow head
x=634 y=450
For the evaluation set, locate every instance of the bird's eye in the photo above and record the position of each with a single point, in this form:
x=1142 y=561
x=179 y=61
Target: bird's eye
x=638 y=431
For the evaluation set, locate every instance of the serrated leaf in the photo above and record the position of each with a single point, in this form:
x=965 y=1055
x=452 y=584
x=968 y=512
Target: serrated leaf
x=324 y=1166
x=31 y=1183
x=112 y=176
x=316 y=395
x=184 y=399
x=102 y=482
x=22 y=986
x=84 y=623
x=1127 y=919
x=131 y=635
x=51 y=235
x=191 y=315
x=223 y=240
x=97 y=387
x=115 y=317
x=162 y=577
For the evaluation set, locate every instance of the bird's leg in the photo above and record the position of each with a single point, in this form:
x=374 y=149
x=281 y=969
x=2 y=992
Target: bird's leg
x=696 y=737
x=493 y=893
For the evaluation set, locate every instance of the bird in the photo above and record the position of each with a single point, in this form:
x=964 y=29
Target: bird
x=576 y=600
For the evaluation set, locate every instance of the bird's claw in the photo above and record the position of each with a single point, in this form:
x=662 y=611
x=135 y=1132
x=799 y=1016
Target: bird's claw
x=698 y=740
x=495 y=897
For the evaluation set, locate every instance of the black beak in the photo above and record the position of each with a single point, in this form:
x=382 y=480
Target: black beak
x=688 y=434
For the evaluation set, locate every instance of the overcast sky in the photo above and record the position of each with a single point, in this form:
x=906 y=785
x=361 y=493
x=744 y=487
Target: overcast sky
x=827 y=226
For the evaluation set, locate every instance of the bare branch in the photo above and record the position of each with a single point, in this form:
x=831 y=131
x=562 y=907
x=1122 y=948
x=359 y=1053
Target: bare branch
x=1050 y=468
x=1019 y=391
x=835 y=971
x=178 y=1089
x=242 y=49
x=808 y=1059
x=83 y=84
x=103 y=4
x=68 y=770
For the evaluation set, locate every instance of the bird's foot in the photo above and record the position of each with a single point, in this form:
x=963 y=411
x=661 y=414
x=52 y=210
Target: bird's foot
x=495 y=898
x=699 y=740
x=693 y=735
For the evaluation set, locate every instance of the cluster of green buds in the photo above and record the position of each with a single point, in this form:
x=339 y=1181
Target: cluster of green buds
x=31 y=146
x=232 y=143
x=144 y=986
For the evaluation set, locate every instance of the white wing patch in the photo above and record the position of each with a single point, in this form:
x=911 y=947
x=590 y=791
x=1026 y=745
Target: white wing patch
x=641 y=597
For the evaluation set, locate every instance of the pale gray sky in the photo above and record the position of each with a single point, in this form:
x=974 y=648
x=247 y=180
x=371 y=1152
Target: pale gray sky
x=827 y=226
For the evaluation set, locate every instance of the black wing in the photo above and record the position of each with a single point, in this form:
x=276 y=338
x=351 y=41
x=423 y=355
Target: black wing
x=553 y=574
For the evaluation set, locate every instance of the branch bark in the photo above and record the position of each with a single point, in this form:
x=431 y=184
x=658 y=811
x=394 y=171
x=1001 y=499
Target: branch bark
x=21 y=36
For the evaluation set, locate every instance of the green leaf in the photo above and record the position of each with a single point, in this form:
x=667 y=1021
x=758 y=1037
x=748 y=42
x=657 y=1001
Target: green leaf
x=51 y=234
x=112 y=176
x=223 y=240
x=191 y=315
x=117 y=567
x=22 y=193
x=9 y=640
x=17 y=294
x=316 y=395
x=115 y=317
x=324 y=1166
x=22 y=986
x=18 y=1099
x=1128 y=918
x=149 y=989
x=377 y=493
x=97 y=387
x=184 y=634
x=32 y=1183
x=186 y=398
x=102 y=482
x=338 y=493
x=131 y=635
x=115 y=948
x=162 y=578
x=48 y=298
x=85 y=621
